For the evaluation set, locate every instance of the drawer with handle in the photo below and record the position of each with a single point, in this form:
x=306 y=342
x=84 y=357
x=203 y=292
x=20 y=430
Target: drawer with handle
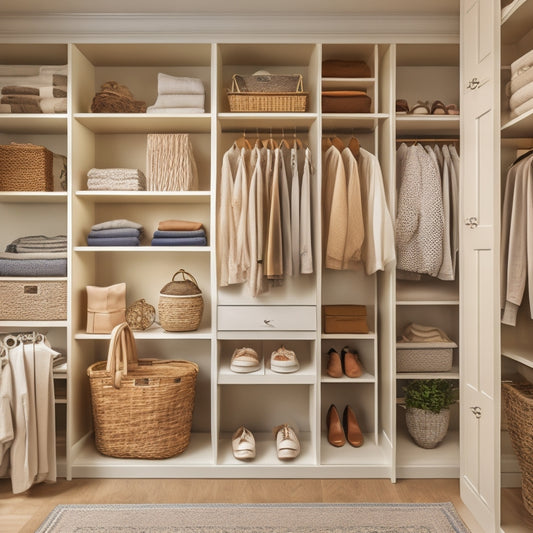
x=267 y=317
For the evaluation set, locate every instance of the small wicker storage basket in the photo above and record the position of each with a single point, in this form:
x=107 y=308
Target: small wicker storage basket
x=27 y=299
x=142 y=408
x=181 y=304
x=269 y=99
x=424 y=356
x=518 y=406
x=428 y=429
x=140 y=315
x=26 y=167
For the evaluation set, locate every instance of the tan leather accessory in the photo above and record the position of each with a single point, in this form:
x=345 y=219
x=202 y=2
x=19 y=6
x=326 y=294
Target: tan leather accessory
x=106 y=307
x=344 y=319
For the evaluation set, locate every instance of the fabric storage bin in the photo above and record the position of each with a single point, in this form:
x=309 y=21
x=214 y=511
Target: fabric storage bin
x=424 y=356
x=26 y=167
x=344 y=319
x=341 y=68
x=33 y=299
x=345 y=102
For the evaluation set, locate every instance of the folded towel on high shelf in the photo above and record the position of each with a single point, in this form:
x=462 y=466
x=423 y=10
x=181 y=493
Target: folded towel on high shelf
x=19 y=99
x=42 y=92
x=116 y=179
x=179 y=225
x=180 y=100
x=33 y=264
x=113 y=241
x=158 y=234
x=167 y=84
x=175 y=110
x=53 y=105
x=520 y=110
x=421 y=333
x=20 y=108
x=179 y=241
x=38 y=243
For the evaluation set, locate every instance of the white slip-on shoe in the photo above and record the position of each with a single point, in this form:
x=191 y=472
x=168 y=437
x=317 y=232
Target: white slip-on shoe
x=243 y=444
x=287 y=443
x=245 y=360
x=284 y=361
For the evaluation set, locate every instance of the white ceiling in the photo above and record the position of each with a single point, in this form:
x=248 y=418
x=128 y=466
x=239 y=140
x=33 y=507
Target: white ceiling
x=307 y=7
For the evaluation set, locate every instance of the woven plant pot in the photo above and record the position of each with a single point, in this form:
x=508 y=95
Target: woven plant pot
x=181 y=304
x=427 y=428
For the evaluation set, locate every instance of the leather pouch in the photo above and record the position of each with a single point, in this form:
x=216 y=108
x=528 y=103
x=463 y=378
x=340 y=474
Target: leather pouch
x=344 y=319
x=106 y=307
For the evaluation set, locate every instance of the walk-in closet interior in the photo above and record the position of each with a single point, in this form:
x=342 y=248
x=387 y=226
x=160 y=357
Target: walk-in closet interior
x=453 y=70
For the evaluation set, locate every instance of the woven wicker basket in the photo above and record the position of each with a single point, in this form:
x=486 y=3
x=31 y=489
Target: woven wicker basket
x=269 y=102
x=140 y=315
x=27 y=299
x=181 y=304
x=518 y=407
x=424 y=357
x=26 y=167
x=143 y=408
x=428 y=429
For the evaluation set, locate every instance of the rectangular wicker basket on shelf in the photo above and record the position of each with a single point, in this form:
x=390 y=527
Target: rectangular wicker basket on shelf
x=424 y=356
x=249 y=94
x=33 y=299
x=26 y=167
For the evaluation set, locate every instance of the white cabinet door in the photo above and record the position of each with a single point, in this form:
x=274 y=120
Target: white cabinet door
x=479 y=270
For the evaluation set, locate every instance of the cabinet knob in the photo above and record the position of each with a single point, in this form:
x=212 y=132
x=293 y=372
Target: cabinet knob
x=268 y=323
x=477 y=411
x=471 y=222
x=473 y=84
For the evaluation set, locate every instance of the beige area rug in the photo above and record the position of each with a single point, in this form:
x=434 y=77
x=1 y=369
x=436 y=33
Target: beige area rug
x=255 y=518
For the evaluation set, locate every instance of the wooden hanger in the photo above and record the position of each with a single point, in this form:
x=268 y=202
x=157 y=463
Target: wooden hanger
x=326 y=143
x=242 y=142
x=354 y=146
x=284 y=143
x=337 y=143
x=270 y=142
x=296 y=142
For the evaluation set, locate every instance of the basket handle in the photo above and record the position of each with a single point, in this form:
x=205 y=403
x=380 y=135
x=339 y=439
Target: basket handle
x=234 y=85
x=183 y=272
x=121 y=353
x=300 y=84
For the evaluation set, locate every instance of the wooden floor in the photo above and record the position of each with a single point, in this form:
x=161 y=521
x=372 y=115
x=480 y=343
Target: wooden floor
x=24 y=513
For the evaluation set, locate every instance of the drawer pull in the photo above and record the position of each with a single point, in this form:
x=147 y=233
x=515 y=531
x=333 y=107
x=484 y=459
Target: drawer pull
x=268 y=323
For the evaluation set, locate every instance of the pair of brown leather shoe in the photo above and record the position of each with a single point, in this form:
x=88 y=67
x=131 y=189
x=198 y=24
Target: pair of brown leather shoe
x=349 y=430
x=345 y=364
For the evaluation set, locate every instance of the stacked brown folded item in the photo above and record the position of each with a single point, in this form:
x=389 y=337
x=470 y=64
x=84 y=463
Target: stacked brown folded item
x=345 y=102
x=33 y=89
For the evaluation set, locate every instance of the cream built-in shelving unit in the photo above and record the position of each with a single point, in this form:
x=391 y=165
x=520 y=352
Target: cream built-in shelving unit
x=232 y=318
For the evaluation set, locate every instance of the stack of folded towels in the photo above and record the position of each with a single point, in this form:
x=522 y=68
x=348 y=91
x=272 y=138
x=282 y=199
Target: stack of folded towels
x=178 y=95
x=179 y=233
x=35 y=255
x=119 y=232
x=116 y=179
x=33 y=89
x=422 y=333
x=520 y=88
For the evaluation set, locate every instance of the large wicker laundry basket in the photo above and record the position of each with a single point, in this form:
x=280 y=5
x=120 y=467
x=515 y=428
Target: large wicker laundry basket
x=142 y=408
x=26 y=167
x=518 y=405
x=181 y=304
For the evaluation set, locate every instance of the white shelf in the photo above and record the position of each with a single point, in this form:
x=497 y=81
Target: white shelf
x=352 y=121
x=347 y=83
x=143 y=249
x=34 y=197
x=265 y=376
x=143 y=123
x=154 y=332
x=366 y=377
x=442 y=126
x=253 y=121
x=363 y=336
x=524 y=357
x=451 y=374
x=427 y=302
x=40 y=324
x=517 y=22
x=266 y=335
x=137 y=197
x=369 y=454
x=33 y=123
x=521 y=126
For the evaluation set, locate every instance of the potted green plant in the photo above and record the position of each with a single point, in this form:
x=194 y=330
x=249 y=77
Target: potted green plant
x=428 y=410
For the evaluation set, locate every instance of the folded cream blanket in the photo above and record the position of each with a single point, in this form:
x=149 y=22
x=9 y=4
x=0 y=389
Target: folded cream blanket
x=521 y=96
x=167 y=84
x=180 y=100
x=521 y=109
x=53 y=105
x=420 y=333
x=116 y=173
x=174 y=110
x=102 y=184
x=524 y=61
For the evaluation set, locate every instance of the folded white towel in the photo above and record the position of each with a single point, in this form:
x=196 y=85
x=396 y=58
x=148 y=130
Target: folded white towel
x=48 y=92
x=523 y=61
x=100 y=184
x=115 y=173
x=174 y=110
x=167 y=84
x=520 y=110
x=180 y=100
x=53 y=105
x=521 y=96
x=518 y=81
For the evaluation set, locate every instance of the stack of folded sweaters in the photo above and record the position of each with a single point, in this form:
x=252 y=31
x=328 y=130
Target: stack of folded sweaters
x=35 y=255
x=520 y=88
x=116 y=179
x=179 y=233
x=119 y=232
x=33 y=89
x=178 y=95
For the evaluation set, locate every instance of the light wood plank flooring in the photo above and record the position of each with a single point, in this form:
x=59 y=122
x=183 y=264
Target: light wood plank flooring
x=24 y=513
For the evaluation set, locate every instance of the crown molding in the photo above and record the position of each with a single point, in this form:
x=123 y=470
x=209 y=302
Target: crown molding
x=226 y=27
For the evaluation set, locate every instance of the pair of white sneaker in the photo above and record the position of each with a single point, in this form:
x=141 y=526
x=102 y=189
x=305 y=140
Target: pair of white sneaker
x=246 y=360
x=287 y=443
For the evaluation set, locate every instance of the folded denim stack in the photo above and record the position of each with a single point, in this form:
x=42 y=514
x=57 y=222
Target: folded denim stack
x=33 y=89
x=179 y=233
x=116 y=179
x=178 y=95
x=119 y=232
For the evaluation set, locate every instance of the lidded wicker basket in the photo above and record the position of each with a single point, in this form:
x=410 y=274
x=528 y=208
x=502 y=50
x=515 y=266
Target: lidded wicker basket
x=181 y=304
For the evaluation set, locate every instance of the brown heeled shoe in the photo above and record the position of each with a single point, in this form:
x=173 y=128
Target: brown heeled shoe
x=335 y=431
x=354 y=435
x=334 y=367
x=352 y=366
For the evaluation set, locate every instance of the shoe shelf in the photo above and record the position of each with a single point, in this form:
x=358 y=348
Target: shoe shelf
x=264 y=376
x=365 y=378
x=370 y=455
